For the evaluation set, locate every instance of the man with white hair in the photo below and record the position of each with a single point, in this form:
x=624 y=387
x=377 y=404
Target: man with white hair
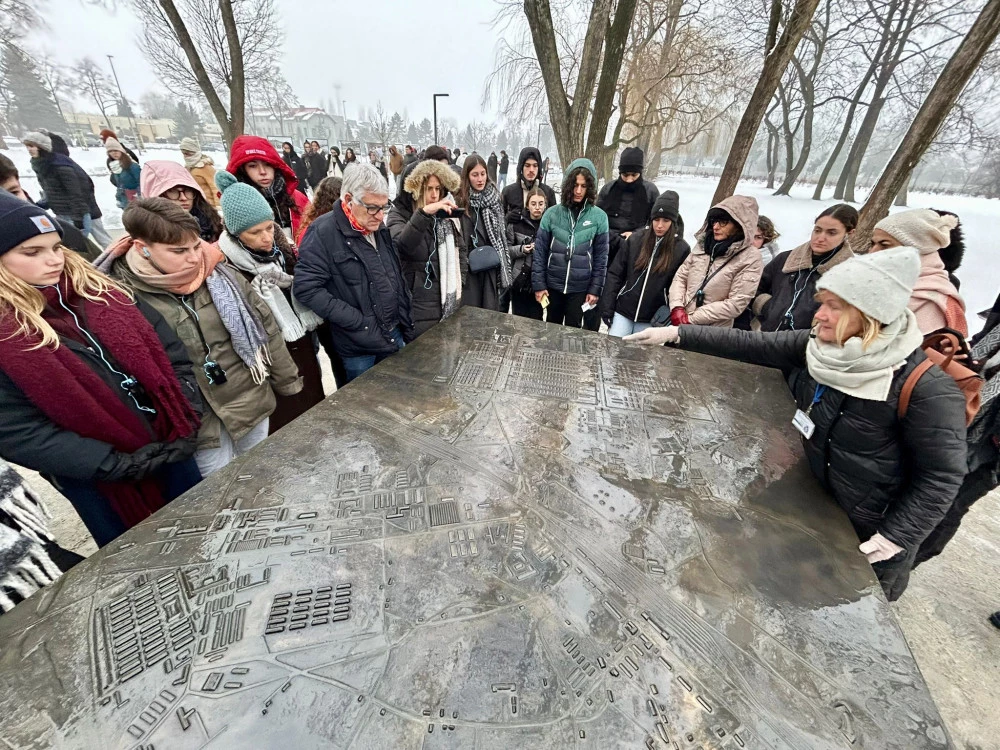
x=349 y=275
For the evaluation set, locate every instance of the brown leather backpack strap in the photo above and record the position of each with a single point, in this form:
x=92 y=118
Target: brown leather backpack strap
x=910 y=384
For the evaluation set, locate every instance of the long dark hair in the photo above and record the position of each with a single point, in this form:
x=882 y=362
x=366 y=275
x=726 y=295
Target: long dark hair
x=202 y=207
x=471 y=162
x=324 y=199
x=283 y=199
x=354 y=156
x=570 y=181
x=666 y=253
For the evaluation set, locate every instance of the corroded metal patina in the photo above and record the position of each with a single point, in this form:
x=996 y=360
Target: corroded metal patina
x=508 y=535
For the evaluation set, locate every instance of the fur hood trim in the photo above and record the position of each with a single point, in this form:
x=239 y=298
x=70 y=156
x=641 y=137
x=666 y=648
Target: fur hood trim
x=425 y=170
x=800 y=259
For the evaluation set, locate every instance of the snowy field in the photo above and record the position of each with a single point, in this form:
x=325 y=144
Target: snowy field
x=793 y=216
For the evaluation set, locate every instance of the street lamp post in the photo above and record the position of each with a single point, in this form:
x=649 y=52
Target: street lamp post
x=135 y=128
x=436 y=117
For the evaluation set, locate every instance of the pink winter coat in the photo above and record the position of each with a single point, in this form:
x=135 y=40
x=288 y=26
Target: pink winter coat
x=730 y=291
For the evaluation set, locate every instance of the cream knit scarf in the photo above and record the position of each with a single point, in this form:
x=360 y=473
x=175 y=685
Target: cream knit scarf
x=867 y=373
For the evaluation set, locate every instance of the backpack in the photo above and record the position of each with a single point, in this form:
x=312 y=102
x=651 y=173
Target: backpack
x=940 y=349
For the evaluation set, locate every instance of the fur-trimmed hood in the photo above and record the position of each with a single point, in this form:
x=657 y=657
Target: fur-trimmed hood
x=426 y=169
x=801 y=259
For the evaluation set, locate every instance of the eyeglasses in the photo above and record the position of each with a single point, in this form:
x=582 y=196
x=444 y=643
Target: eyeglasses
x=178 y=193
x=375 y=210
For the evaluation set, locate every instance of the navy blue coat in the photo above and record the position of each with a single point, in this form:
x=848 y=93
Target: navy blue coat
x=359 y=290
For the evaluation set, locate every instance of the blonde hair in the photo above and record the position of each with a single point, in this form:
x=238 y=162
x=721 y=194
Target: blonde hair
x=850 y=318
x=25 y=304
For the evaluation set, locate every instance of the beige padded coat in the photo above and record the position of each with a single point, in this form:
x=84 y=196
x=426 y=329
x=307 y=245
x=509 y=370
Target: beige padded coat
x=736 y=274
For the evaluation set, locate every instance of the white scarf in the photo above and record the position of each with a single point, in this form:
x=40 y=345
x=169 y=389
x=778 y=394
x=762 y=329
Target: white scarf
x=294 y=320
x=448 y=263
x=197 y=160
x=867 y=373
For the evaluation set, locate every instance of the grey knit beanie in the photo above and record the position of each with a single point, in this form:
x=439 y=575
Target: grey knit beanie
x=243 y=206
x=37 y=139
x=878 y=284
x=926 y=230
x=190 y=144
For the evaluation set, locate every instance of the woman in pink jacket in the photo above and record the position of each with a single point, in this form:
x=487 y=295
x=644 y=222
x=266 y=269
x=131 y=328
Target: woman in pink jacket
x=170 y=180
x=719 y=279
x=935 y=301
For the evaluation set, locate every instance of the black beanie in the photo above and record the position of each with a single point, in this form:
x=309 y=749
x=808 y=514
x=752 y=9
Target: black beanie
x=667 y=206
x=20 y=221
x=632 y=160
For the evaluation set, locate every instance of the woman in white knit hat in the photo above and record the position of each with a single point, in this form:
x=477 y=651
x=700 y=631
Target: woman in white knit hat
x=895 y=478
x=202 y=168
x=935 y=300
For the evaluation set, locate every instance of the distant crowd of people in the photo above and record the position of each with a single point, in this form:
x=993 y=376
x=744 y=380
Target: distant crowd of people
x=181 y=345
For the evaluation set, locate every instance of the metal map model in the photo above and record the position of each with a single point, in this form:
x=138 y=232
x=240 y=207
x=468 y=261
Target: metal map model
x=509 y=535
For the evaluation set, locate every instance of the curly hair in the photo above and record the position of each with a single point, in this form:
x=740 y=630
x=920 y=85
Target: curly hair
x=326 y=197
x=570 y=181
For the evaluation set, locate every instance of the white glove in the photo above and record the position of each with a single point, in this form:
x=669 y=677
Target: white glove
x=878 y=548
x=115 y=167
x=655 y=336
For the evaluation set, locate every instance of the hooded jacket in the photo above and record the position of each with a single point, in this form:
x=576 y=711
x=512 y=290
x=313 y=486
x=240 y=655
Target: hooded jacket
x=204 y=174
x=729 y=280
x=248 y=148
x=316 y=167
x=788 y=286
x=513 y=194
x=161 y=175
x=571 y=253
x=395 y=161
x=416 y=245
x=628 y=291
x=65 y=192
x=895 y=477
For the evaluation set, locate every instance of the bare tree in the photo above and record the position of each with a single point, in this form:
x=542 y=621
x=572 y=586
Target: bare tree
x=480 y=135
x=157 y=105
x=381 y=125
x=273 y=92
x=778 y=53
x=91 y=81
x=932 y=114
x=221 y=47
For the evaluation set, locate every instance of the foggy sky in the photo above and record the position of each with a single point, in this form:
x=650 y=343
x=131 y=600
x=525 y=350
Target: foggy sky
x=399 y=51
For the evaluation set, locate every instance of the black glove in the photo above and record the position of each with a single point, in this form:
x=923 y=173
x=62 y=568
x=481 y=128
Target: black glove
x=78 y=223
x=181 y=450
x=131 y=467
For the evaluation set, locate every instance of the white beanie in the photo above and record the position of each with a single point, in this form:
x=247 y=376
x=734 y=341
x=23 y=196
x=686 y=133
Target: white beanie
x=878 y=284
x=112 y=144
x=190 y=144
x=922 y=228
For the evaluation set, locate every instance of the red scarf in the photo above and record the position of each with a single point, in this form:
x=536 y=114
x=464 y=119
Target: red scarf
x=75 y=398
x=350 y=217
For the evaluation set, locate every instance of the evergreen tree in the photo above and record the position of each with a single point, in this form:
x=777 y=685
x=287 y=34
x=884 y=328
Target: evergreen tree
x=413 y=137
x=396 y=127
x=30 y=104
x=187 y=121
x=426 y=129
x=502 y=140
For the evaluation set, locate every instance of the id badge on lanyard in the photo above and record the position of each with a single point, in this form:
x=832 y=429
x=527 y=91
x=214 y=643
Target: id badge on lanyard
x=802 y=421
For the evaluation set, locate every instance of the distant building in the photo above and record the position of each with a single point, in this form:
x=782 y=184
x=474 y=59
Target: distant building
x=151 y=130
x=298 y=125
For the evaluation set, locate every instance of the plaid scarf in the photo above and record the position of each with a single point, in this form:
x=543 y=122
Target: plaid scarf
x=486 y=204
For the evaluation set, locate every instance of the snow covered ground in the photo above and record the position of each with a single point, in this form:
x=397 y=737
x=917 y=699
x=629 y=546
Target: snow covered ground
x=792 y=215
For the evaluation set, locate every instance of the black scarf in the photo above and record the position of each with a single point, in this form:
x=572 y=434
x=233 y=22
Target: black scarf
x=639 y=206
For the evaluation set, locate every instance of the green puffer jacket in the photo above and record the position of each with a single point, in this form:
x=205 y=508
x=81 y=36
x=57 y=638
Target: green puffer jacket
x=571 y=255
x=239 y=404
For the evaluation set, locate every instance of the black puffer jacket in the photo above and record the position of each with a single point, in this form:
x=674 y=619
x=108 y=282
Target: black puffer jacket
x=66 y=194
x=626 y=286
x=896 y=478
x=413 y=237
x=29 y=438
x=345 y=281
x=521 y=230
x=628 y=205
x=513 y=194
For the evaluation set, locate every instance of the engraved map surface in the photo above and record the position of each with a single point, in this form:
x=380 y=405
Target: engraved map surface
x=509 y=535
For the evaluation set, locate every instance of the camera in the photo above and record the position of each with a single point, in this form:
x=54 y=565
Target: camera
x=214 y=372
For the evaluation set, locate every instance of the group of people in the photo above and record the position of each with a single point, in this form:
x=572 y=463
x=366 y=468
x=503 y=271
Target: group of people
x=194 y=336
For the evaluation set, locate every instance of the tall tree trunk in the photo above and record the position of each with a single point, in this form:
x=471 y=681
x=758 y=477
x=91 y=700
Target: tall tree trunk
x=198 y=69
x=844 y=134
x=930 y=116
x=774 y=67
x=237 y=86
x=611 y=66
x=849 y=173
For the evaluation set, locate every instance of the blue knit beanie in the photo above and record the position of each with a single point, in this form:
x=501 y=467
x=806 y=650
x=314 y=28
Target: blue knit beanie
x=242 y=205
x=20 y=221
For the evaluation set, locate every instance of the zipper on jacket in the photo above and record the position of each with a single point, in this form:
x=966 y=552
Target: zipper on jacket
x=572 y=244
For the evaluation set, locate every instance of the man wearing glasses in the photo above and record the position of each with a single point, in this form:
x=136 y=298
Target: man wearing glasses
x=349 y=275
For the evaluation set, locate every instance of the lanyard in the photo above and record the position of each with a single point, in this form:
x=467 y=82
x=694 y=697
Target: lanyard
x=820 y=390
